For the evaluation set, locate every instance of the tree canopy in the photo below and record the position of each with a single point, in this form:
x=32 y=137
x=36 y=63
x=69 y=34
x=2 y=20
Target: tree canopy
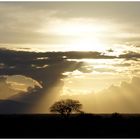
x=66 y=106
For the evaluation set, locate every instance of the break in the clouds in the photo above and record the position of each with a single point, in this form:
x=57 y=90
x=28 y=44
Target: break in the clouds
x=65 y=23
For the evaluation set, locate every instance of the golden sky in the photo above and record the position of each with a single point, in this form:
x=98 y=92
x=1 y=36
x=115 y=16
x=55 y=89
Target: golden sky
x=62 y=26
x=110 y=78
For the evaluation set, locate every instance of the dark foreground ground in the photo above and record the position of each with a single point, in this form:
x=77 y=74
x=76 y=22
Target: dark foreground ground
x=74 y=126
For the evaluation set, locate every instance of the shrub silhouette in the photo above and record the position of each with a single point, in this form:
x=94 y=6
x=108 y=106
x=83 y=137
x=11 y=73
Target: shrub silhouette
x=116 y=115
x=66 y=107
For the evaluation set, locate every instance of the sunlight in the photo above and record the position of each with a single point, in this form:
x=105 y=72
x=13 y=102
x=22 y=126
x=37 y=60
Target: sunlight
x=76 y=27
x=78 y=34
x=88 y=44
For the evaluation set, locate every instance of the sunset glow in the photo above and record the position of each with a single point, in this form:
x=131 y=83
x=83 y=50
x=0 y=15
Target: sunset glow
x=89 y=51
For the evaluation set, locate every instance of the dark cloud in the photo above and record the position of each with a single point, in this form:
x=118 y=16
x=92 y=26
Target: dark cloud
x=47 y=69
x=130 y=55
x=123 y=64
x=104 y=70
x=14 y=62
x=110 y=50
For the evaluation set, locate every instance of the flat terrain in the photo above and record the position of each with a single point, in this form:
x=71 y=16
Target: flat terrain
x=74 y=126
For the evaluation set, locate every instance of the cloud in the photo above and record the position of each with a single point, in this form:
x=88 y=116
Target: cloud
x=123 y=65
x=20 y=24
x=42 y=22
x=5 y=89
x=130 y=55
x=27 y=67
x=104 y=70
x=49 y=78
x=22 y=83
x=48 y=70
x=13 y=85
x=123 y=98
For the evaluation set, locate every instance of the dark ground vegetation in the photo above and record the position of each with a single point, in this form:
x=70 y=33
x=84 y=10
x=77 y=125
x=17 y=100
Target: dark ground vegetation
x=73 y=126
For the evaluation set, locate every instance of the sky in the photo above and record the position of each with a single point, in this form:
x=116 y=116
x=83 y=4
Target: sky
x=62 y=26
x=88 y=51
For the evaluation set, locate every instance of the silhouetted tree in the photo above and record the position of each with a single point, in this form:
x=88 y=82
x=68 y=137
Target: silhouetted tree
x=66 y=107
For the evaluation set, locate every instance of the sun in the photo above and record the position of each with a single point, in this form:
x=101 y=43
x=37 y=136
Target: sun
x=77 y=34
x=88 y=44
x=82 y=35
